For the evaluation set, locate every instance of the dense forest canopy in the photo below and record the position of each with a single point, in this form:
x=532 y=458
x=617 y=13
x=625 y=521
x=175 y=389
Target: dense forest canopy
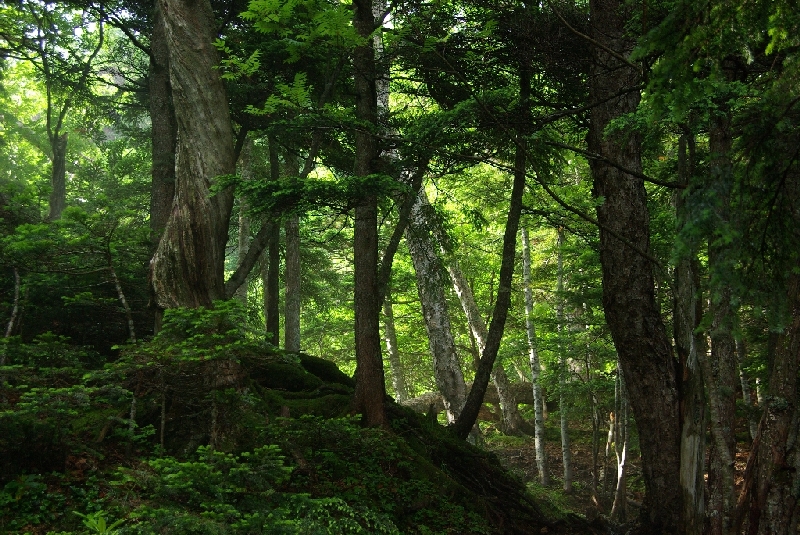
x=554 y=220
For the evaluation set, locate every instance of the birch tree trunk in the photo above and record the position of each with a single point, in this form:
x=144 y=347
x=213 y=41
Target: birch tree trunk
x=390 y=337
x=187 y=268
x=619 y=510
x=566 y=453
x=512 y=422
x=536 y=368
x=431 y=283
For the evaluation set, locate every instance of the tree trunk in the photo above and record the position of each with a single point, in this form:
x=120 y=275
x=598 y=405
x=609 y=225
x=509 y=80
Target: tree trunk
x=619 y=510
x=747 y=393
x=431 y=284
x=188 y=266
x=720 y=370
x=512 y=422
x=12 y=321
x=563 y=372
x=390 y=336
x=536 y=368
x=466 y=420
x=58 y=177
x=246 y=172
x=121 y=295
x=687 y=314
x=292 y=280
x=370 y=391
x=164 y=130
x=272 y=261
x=631 y=310
x=773 y=510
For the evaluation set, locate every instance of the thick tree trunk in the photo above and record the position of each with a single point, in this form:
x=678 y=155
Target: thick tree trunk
x=58 y=177
x=536 y=368
x=629 y=301
x=431 y=283
x=370 y=394
x=188 y=266
x=687 y=314
x=164 y=130
x=390 y=337
x=773 y=510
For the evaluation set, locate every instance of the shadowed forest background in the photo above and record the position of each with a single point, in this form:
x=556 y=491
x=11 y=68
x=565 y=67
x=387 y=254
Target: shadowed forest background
x=305 y=266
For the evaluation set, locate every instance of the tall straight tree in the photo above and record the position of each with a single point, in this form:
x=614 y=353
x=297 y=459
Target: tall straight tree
x=370 y=394
x=536 y=368
x=188 y=266
x=631 y=310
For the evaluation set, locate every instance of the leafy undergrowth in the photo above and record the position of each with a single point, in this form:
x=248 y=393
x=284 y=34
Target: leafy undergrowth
x=125 y=448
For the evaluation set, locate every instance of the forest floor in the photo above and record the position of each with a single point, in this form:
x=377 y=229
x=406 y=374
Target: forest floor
x=518 y=455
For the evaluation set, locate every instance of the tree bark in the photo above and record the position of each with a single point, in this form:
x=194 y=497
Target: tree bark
x=687 y=314
x=773 y=511
x=246 y=172
x=512 y=423
x=719 y=370
x=563 y=372
x=164 y=130
x=536 y=368
x=12 y=321
x=631 y=310
x=390 y=337
x=431 y=283
x=272 y=262
x=58 y=177
x=370 y=394
x=188 y=266
x=292 y=278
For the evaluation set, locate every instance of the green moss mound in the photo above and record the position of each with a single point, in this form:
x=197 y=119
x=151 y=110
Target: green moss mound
x=230 y=436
